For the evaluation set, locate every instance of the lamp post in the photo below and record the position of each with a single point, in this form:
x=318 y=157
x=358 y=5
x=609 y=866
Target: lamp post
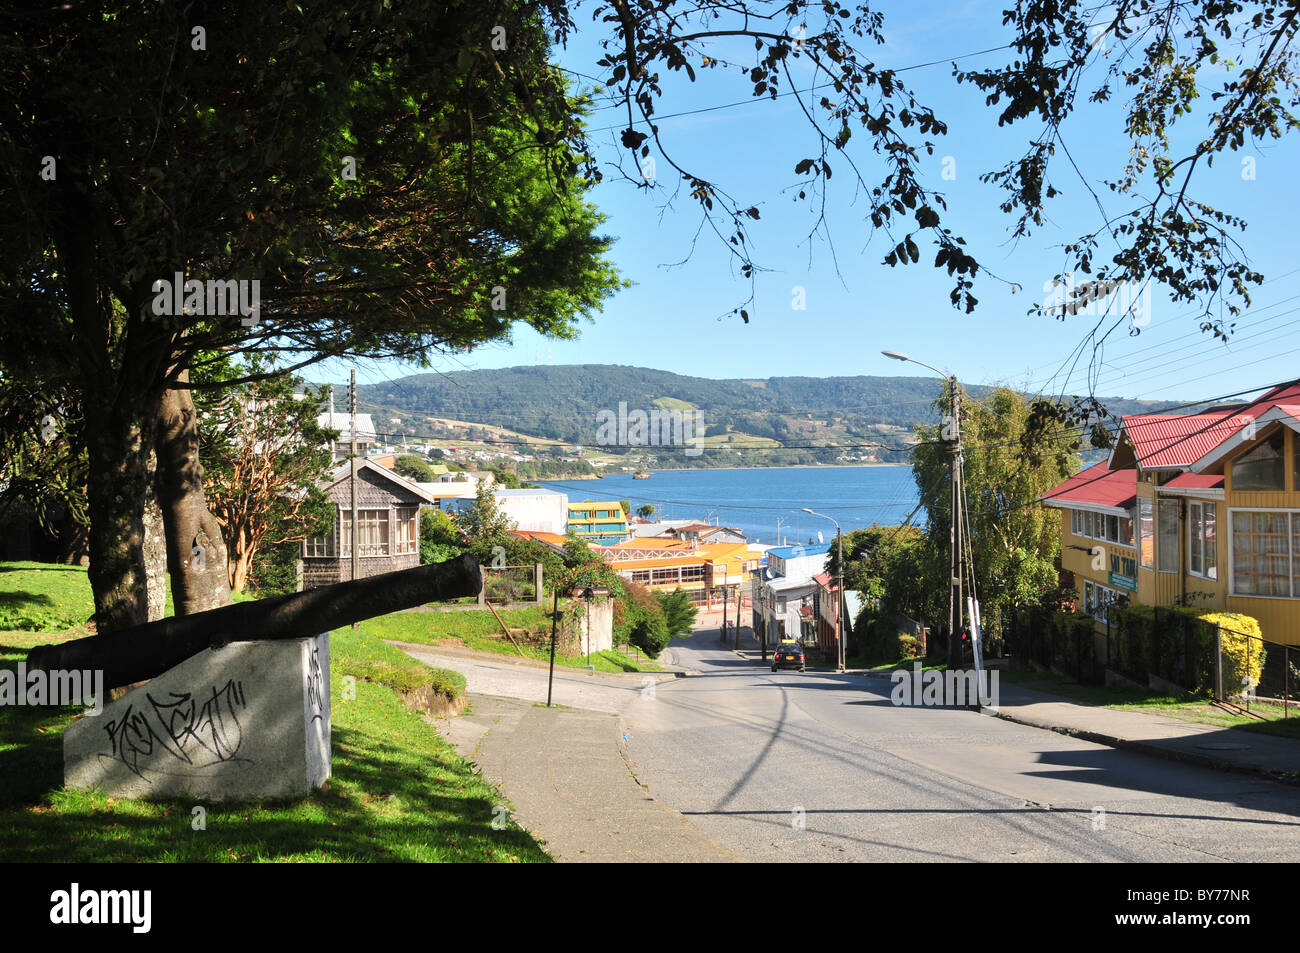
x=839 y=597
x=957 y=562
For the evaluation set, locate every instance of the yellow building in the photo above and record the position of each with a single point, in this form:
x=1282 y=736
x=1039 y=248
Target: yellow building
x=599 y=521
x=709 y=572
x=1200 y=509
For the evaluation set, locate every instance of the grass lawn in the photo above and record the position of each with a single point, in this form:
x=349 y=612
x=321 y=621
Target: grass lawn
x=480 y=630
x=399 y=791
x=1201 y=711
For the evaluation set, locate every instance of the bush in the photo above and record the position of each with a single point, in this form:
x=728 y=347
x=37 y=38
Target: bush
x=1243 y=656
x=679 y=612
x=650 y=635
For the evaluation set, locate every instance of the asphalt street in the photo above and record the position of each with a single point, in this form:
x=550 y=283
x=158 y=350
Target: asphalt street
x=817 y=766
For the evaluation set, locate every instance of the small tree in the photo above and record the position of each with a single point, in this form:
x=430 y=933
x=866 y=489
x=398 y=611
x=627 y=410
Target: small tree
x=413 y=468
x=679 y=612
x=645 y=511
x=440 y=539
x=264 y=458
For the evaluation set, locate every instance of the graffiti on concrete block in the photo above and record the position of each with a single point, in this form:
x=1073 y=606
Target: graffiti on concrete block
x=196 y=730
x=316 y=685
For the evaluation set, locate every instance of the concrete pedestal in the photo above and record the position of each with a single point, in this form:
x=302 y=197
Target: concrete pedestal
x=249 y=721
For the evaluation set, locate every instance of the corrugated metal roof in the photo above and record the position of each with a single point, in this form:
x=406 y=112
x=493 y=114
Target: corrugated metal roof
x=1179 y=440
x=1196 y=481
x=1096 y=485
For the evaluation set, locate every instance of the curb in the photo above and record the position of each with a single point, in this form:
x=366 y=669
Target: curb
x=1149 y=748
x=1157 y=750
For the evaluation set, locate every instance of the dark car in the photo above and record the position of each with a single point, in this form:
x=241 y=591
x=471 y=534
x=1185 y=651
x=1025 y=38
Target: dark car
x=787 y=655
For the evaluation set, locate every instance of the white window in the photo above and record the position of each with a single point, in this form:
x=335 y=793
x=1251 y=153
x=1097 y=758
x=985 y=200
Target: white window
x=372 y=530
x=1264 y=546
x=1098 y=599
x=1167 y=536
x=1106 y=526
x=318 y=546
x=1146 y=533
x=407 y=517
x=1202 y=540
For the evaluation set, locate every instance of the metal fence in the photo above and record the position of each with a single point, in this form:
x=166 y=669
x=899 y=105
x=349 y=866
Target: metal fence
x=511 y=584
x=1163 y=649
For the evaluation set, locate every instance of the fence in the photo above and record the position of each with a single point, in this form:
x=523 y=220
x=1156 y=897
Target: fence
x=1165 y=649
x=512 y=584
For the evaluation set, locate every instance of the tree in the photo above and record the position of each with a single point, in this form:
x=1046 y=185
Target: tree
x=645 y=511
x=264 y=459
x=1015 y=540
x=627 y=508
x=485 y=527
x=440 y=538
x=395 y=182
x=414 y=468
x=679 y=612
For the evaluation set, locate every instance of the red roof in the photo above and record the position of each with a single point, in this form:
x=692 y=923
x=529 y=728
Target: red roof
x=1196 y=481
x=1179 y=440
x=1096 y=485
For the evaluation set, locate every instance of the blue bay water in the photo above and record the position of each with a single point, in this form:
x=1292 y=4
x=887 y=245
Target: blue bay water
x=752 y=500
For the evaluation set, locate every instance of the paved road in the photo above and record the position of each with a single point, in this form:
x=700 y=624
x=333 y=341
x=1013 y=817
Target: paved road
x=815 y=767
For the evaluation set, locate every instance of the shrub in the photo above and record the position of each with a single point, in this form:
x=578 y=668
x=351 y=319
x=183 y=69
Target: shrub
x=1242 y=645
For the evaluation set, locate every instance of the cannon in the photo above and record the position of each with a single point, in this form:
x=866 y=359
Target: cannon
x=145 y=651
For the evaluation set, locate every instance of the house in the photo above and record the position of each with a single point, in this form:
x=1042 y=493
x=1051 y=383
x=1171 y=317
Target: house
x=707 y=533
x=388 y=526
x=710 y=573
x=601 y=522
x=823 y=614
x=342 y=447
x=783 y=588
x=1193 y=508
x=657 y=527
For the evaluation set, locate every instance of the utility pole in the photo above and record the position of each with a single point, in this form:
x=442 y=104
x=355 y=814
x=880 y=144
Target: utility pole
x=957 y=559
x=839 y=599
x=352 y=399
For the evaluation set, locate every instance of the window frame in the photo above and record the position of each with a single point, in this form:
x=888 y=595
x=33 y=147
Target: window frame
x=1164 y=503
x=1209 y=549
x=1293 y=516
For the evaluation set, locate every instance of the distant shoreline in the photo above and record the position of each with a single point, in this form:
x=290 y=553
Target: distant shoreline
x=791 y=466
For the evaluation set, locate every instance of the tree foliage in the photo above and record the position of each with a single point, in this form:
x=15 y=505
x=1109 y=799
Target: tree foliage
x=1015 y=540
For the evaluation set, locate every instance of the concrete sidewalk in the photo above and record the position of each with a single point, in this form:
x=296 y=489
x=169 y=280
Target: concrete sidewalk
x=1151 y=733
x=564 y=771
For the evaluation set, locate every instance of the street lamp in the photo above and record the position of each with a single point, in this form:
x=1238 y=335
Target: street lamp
x=957 y=554
x=839 y=597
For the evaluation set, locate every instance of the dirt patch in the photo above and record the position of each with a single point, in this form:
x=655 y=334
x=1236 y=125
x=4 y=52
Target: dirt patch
x=428 y=700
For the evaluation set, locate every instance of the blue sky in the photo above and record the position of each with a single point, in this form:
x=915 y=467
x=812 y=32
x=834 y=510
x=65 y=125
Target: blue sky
x=674 y=317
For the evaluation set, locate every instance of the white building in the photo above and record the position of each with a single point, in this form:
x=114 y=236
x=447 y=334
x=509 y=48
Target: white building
x=784 y=593
x=531 y=510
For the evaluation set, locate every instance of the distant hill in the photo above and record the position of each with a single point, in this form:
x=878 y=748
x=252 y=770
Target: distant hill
x=562 y=403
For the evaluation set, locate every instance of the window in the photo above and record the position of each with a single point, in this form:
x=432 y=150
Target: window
x=663 y=576
x=641 y=576
x=1107 y=526
x=1202 y=540
x=1262 y=545
x=372 y=530
x=692 y=574
x=1098 y=599
x=1167 y=539
x=318 y=546
x=1146 y=533
x=1260 y=468
x=406 y=523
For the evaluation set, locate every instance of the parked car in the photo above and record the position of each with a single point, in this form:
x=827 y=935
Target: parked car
x=788 y=654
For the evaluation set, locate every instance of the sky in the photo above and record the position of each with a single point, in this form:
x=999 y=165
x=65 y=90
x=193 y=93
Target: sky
x=675 y=316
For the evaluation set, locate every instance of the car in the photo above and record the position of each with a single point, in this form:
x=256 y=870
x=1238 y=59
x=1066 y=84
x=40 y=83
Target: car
x=788 y=654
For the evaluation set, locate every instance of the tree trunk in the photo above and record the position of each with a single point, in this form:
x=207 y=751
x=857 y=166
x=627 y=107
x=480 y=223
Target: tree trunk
x=196 y=553
x=155 y=547
x=118 y=444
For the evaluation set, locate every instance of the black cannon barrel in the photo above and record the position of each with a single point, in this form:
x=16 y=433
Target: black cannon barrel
x=146 y=651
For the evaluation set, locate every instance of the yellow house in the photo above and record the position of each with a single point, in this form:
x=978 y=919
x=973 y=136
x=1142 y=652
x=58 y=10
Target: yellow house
x=1198 y=509
x=709 y=572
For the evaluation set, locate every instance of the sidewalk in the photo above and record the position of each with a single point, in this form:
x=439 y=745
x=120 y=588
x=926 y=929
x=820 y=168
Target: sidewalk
x=1156 y=734
x=564 y=771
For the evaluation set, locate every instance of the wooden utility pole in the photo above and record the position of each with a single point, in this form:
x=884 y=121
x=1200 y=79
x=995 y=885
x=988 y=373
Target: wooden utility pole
x=957 y=555
x=353 y=405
